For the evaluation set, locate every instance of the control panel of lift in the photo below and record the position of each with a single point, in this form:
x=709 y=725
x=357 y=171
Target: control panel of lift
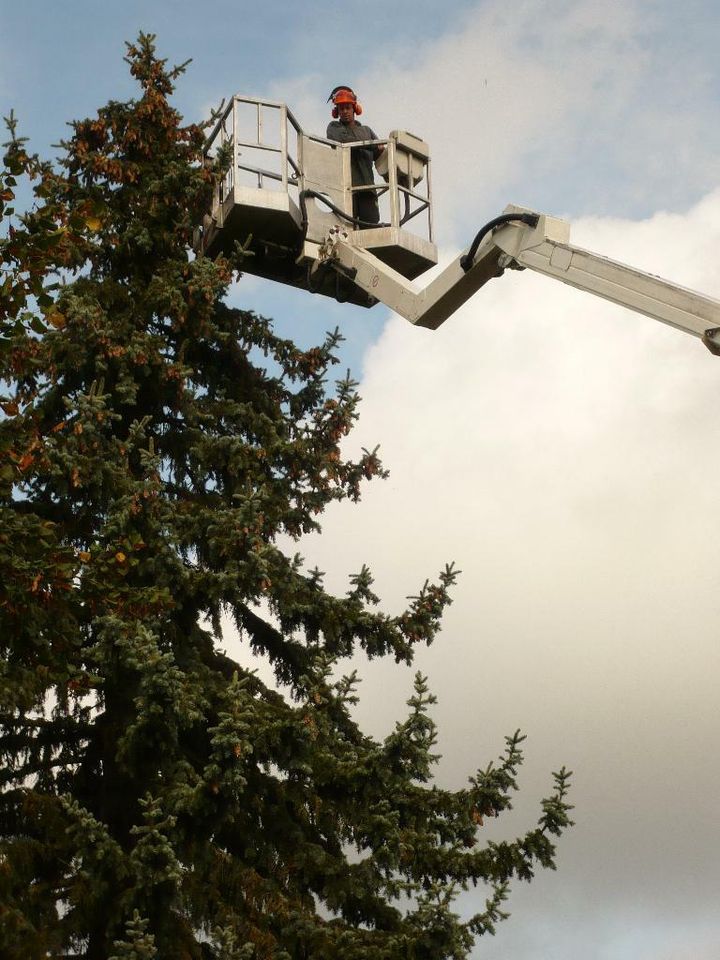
x=285 y=201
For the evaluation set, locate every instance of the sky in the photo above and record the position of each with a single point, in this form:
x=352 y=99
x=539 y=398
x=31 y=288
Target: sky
x=562 y=451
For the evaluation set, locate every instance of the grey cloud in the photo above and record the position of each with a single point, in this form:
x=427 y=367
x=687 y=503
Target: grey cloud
x=565 y=452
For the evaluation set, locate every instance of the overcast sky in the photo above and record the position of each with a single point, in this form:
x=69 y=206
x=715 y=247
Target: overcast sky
x=564 y=452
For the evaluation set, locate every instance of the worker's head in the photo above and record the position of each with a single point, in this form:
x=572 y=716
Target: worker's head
x=345 y=104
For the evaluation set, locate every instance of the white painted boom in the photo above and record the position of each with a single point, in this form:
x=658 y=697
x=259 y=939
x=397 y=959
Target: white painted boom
x=542 y=244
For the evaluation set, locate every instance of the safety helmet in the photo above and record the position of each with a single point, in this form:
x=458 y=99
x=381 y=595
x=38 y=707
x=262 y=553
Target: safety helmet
x=344 y=94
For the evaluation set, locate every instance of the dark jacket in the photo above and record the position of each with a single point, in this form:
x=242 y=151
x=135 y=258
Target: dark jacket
x=361 y=160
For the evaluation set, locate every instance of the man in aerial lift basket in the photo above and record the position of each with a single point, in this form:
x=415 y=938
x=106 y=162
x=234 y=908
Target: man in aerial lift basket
x=344 y=128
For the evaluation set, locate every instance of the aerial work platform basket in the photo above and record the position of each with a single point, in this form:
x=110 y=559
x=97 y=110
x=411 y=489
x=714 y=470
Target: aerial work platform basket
x=283 y=191
x=283 y=206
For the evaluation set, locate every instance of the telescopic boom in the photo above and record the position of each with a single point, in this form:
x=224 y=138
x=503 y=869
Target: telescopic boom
x=538 y=242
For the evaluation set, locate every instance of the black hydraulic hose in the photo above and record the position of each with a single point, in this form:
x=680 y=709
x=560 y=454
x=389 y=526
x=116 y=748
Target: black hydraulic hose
x=407 y=210
x=355 y=221
x=531 y=219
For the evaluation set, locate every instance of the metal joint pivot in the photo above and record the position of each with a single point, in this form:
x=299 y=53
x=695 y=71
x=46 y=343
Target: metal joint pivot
x=711 y=339
x=328 y=246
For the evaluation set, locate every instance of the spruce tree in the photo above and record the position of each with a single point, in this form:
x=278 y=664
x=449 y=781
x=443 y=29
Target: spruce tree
x=158 y=451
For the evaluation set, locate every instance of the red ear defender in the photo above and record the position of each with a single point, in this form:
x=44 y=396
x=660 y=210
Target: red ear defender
x=335 y=113
x=357 y=108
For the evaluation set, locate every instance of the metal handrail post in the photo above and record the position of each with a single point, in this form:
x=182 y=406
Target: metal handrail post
x=236 y=157
x=284 y=146
x=429 y=203
x=258 y=139
x=348 y=198
x=394 y=195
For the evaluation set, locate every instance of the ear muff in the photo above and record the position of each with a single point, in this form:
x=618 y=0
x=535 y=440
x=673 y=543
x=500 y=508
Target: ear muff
x=335 y=113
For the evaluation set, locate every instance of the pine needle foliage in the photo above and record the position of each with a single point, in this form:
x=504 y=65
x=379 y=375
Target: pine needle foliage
x=157 y=450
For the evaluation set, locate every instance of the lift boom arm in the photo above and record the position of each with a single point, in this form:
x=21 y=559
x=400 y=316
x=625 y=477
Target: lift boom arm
x=544 y=248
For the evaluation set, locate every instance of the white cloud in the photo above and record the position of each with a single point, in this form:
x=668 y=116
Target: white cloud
x=568 y=105
x=564 y=452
